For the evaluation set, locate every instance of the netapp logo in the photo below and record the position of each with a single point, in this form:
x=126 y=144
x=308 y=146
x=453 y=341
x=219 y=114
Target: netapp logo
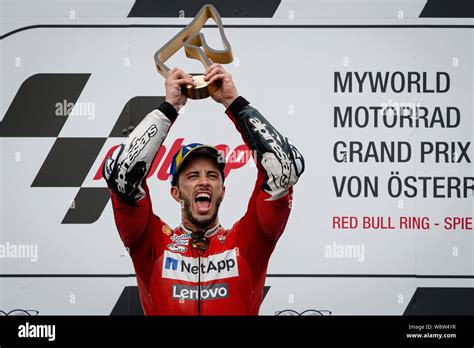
x=208 y=292
x=171 y=263
x=219 y=266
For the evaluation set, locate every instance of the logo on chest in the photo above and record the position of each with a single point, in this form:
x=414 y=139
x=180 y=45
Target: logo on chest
x=221 y=238
x=180 y=239
x=194 y=269
x=179 y=242
x=207 y=292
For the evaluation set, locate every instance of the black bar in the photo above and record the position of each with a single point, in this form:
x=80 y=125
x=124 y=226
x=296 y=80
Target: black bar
x=177 y=331
x=245 y=26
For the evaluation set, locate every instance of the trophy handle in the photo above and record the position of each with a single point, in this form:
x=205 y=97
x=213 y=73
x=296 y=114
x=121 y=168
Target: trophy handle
x=196 y=47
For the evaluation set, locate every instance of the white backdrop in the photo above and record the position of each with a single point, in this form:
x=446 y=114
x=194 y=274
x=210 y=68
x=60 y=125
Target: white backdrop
x=288 y=74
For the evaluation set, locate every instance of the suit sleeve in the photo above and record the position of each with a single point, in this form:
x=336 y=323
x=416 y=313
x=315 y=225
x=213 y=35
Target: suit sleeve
x=279 y=166
x=126 y=168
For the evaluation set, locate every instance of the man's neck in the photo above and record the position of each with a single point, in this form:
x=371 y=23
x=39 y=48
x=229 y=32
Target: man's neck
x=209 y=229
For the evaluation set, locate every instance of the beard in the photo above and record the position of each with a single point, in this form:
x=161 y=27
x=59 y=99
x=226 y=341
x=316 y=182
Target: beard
x=200 y=221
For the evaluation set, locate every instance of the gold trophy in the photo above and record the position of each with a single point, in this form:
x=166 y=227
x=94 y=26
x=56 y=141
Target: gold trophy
x=196 y=47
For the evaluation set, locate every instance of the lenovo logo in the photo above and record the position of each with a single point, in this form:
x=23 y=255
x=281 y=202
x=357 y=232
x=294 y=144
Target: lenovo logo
x=208 y=292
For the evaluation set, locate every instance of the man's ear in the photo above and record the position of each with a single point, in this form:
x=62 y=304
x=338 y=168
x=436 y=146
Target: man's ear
x=175 y=193
x=223 y=192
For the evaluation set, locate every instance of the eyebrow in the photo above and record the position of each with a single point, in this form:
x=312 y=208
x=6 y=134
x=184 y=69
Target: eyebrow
x=212 y=171
x=193 y=172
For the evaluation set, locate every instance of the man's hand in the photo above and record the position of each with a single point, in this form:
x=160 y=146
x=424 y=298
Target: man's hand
x=173 y=84
x=227 y=92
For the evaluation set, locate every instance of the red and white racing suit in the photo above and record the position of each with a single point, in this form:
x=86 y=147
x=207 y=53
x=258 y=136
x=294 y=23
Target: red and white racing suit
x=228 y=277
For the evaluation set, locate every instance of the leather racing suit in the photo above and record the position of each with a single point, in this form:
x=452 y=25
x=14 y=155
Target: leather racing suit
x=228 y=277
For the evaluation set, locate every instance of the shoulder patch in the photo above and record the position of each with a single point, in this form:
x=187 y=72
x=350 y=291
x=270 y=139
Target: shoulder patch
x=166 y=230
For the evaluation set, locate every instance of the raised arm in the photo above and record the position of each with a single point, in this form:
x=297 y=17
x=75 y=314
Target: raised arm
x=279 y=166
x=126 y=168
x=276 y=157
x=279 y=163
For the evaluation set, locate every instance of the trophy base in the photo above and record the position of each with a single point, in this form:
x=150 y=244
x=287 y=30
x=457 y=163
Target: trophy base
x=202 y=89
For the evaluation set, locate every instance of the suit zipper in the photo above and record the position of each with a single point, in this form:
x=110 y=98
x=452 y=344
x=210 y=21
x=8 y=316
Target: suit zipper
x=199 y=282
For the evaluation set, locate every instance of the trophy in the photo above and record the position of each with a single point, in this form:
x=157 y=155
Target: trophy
x=195 y=47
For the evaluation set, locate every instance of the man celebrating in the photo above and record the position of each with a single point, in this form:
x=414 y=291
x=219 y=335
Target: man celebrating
x=201 y=268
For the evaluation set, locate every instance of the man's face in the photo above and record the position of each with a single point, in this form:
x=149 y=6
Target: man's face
x=201 y=190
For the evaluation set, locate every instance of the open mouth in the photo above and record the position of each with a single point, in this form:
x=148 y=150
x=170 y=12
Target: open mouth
x=203 y=202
